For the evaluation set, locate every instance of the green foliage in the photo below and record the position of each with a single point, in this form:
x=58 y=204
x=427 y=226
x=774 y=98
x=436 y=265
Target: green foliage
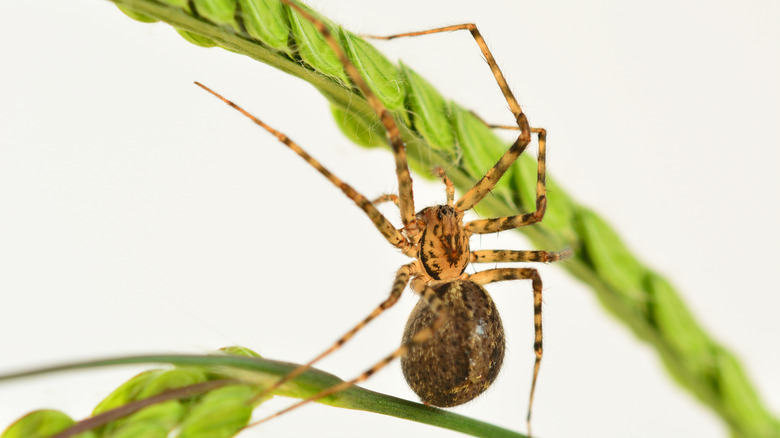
x=265 y=21
x=221 y=12
x=178 y=400
x=356 y=129
x=42 y=424
x=197 y=401
x=196 y=39
x=220 y=413
x=430 y=113
x=312 y=47
x=384 y=79
x=153 y=421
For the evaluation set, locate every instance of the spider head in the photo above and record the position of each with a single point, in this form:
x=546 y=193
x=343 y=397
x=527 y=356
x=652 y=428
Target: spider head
x=444 y=244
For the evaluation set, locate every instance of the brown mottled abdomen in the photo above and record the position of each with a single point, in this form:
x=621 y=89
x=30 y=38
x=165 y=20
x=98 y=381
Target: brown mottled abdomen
x=464 y=356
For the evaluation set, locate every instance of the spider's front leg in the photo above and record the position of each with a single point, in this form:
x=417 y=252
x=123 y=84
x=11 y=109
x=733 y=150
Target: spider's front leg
x=494 y=225
x=405 y=191
x=483 y=187
x=382 y=224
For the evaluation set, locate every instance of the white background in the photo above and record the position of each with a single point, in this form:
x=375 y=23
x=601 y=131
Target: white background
x=138 y=214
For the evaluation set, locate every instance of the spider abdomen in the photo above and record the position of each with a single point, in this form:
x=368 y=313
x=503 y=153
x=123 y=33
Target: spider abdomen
x=464 y=356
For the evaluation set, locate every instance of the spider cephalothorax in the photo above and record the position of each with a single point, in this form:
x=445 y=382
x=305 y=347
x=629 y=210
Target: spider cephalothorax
x=443 y=243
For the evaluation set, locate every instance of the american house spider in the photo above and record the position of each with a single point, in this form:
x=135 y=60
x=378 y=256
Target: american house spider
x=453 y=343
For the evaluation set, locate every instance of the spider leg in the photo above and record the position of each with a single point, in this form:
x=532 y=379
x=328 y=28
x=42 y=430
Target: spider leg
x=380 y=222
x=449 y=186
x=497 y=126
x=483 y=187
x=437 y=307
x=493 y=225
x=506 y=223
x=391 y=128
x=503 y=274
x=400 y=282
x=390 y=197
x=506 y=255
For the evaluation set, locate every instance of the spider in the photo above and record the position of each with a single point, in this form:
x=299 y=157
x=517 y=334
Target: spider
x=453 y=344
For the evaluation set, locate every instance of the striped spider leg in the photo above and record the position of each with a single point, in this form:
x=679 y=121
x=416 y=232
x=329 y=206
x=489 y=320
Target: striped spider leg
x=476 y=193
x=454 y=309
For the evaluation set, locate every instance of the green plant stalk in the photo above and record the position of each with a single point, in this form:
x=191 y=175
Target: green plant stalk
x=642 y=299
x=258 y=372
